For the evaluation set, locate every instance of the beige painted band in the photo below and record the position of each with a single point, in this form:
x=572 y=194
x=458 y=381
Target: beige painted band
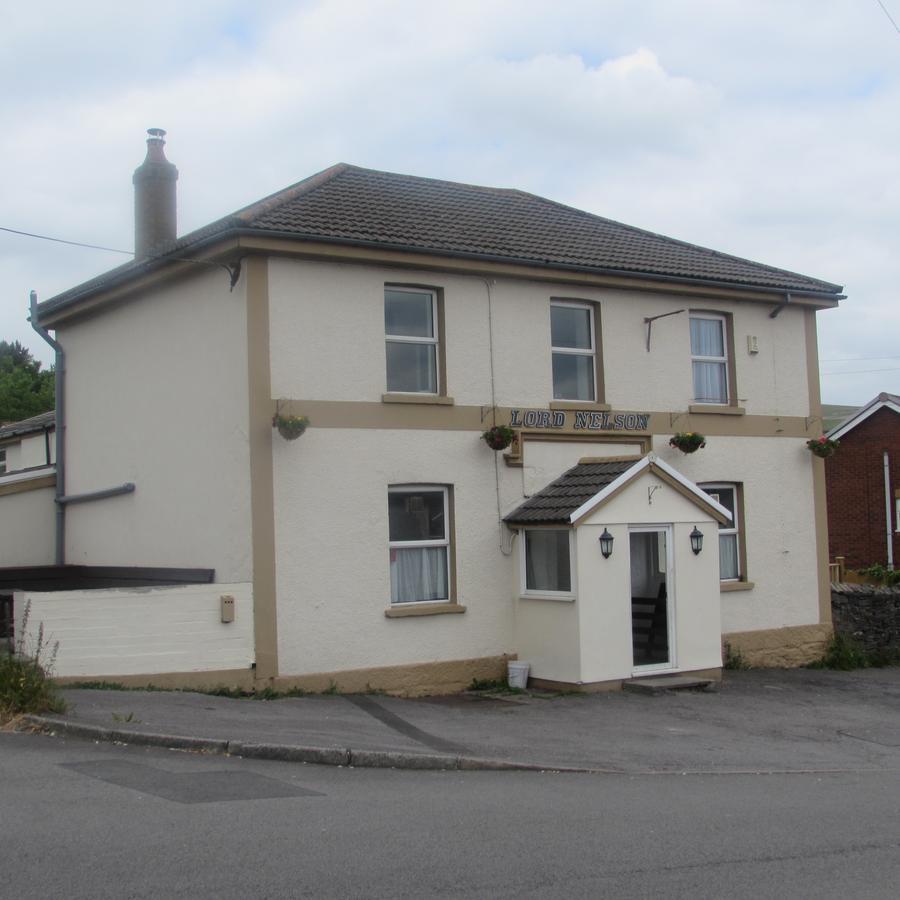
x=433 y=609
x=790 y=646
x=262 y=479
x=241 y=679
x=414 y=680
x=820 y=501
x=33 y=484
x=434 y=416
x=727 y=587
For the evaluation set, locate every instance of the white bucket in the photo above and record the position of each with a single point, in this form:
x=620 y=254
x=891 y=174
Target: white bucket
x=517 y=674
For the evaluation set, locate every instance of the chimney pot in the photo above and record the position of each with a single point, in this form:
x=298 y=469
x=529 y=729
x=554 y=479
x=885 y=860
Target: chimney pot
x=154 y=180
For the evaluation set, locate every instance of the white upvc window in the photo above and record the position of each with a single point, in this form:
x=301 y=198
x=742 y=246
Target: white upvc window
x=709 y=357
x=729 y=532
x=547 y=564
x=411 y=338
x=574 y=351
x=419 y=543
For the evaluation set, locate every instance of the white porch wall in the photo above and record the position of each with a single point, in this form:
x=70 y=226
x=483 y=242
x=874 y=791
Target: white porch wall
x=141 y=631
x=157 y=395
x=331 y=526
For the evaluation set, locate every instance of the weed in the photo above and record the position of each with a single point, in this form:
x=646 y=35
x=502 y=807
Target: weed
x=25 y=685
x=118 y=717
x=97 y=685
x=882 y=575
x=845 y=653
x=332 y=688
x=494 y=685
x=733 y=660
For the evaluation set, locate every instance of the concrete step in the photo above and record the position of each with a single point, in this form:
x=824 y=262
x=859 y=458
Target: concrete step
x=660 y=683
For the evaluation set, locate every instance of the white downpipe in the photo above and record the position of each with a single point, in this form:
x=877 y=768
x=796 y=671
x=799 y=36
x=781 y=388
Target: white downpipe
x=887 y=510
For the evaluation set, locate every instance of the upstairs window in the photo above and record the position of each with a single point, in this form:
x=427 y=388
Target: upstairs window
x=574 y=351
x=419 y=543
x=709 y=358
x=411 y=335
x=729 y=532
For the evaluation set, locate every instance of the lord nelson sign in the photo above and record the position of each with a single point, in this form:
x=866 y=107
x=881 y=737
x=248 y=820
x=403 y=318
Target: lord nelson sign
x=578 y=420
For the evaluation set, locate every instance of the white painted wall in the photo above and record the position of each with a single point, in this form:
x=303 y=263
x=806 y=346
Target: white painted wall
x=157 y=395
x=331 y=506
x=779 y=527
x=325 y=314
x=28 y=528
x=141 y=631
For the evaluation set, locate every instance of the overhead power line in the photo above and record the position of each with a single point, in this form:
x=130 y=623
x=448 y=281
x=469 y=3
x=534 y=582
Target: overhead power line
x=890 y=17
x=857 y=359
x=861 y=372
x=45 y=237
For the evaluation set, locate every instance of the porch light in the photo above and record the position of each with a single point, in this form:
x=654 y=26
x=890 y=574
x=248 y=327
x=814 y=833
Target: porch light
x=606 y=542
x=696 y=540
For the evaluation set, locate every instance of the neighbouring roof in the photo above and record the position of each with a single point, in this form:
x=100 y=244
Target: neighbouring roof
x=363 y=207
x=833 y=414
x=584 y=487
x=882 y=401
x=558 y=500
x=28 y=426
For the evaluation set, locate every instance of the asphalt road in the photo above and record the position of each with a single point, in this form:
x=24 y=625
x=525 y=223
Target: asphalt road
x=102 y=821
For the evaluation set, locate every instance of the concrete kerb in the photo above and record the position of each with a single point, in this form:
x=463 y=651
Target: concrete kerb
x=325 y=756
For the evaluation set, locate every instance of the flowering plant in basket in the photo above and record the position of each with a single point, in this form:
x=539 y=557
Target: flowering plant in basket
x=823 y=446
x=687 y=441
x=499 y=437
x=290 y=427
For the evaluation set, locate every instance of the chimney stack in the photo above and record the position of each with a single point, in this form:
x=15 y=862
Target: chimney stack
x=154 y=197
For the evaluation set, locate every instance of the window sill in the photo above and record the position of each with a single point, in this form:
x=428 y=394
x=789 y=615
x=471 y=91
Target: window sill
x=727 y=587
x=556 y=598
x=428 y=399
x=422 y=609
x=715 y=409
x=575 y=404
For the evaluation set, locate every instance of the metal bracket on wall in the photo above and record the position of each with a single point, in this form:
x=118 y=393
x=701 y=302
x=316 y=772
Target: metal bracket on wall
x=649 y=320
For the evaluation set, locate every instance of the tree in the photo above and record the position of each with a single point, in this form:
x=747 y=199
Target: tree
x=25 y=390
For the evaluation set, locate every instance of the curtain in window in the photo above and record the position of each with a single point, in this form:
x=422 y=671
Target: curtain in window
x=710 y=379
x=419 y=573
x=547 y=561
x=728 y=557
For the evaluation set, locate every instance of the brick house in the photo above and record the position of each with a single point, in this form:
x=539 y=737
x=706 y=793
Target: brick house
x=863 y=485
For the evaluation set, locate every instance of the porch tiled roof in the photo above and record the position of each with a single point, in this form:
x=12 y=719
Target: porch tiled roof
x=556 y=502
x=28 y=426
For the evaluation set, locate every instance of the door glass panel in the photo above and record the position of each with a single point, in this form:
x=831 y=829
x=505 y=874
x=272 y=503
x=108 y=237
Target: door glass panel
x=649 y=598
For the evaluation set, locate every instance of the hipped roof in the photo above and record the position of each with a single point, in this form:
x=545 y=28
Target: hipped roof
x=363 y=207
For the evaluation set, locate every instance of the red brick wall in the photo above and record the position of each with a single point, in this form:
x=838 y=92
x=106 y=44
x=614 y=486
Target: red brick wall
x=854 y=479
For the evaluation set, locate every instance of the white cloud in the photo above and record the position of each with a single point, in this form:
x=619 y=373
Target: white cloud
x=768 y=130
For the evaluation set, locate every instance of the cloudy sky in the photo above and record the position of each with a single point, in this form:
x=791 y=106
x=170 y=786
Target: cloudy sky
x=765 y=128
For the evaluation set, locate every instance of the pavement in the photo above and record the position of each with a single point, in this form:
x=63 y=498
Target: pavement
x=758 y=721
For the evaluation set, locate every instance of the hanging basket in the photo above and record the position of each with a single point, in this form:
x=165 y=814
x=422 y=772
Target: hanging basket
x=290 y=427
x=823 y=447
x=687 y=441
x=499 y=437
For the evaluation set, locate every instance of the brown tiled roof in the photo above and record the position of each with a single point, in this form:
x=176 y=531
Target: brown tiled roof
x=556 y=502
x=349 y=205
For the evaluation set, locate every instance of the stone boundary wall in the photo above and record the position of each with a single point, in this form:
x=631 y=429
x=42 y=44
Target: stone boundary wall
x=868 y=613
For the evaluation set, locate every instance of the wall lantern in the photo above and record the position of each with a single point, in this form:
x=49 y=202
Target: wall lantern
x=696 y=540
x=606 y=542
